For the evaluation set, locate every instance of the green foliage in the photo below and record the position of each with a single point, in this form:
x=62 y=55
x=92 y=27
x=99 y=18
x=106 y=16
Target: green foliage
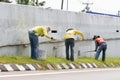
x=53 y=60
x=25 y=2
x=7 y=1
x=42 y=3
x=31 y=2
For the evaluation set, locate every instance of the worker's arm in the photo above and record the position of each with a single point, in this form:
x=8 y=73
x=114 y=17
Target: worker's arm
x=46 y=34
x=96 y=45
x=80 y=33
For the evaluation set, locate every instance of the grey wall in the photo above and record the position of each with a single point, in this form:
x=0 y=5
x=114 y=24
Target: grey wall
x=15 y=20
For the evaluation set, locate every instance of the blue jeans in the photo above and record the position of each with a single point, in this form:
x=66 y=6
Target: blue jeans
x=34 y=43
x=69 y=43
x=102 y=48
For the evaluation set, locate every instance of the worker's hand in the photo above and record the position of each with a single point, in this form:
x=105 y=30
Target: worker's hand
x=52 y=38
x=95 y=50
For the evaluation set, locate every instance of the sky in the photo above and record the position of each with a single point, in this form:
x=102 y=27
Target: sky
x=102 y=6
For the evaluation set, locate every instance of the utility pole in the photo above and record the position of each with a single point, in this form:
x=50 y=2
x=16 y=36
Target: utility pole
x=67 y=5
x=87 y=8
x=118 y=12
x=62 y=4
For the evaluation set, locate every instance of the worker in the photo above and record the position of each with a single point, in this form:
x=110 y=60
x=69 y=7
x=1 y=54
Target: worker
x=100 y=45
x=70 y=42
x=34 y=33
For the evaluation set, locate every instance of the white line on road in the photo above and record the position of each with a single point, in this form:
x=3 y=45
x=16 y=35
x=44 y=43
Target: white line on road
x=59 y=72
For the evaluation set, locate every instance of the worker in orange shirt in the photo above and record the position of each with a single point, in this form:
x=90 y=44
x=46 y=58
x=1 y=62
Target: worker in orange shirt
x=34 y=33
x=100 y=45
x=70 y=42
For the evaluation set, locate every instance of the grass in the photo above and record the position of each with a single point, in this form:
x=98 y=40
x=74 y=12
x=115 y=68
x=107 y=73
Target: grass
x=53 y=60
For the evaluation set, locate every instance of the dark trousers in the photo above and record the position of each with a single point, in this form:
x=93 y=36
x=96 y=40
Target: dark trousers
x=102 y=48
x=69 y=43
x=34 y=43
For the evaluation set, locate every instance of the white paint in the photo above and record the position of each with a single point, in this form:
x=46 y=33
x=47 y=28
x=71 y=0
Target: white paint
x=60 y=72
x=8 y=67
x=89 y=65
x=20 y=67
x=84 y=65
x=30 y=66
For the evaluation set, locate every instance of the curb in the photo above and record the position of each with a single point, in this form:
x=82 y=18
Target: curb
x=16 y=67
x=34 y=67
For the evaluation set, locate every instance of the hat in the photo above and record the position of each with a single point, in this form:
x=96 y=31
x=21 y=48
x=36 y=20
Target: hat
x=69 y=29
x=95 y=36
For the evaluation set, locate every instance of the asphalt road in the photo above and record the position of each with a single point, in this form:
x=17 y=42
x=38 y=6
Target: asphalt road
x=82 y=74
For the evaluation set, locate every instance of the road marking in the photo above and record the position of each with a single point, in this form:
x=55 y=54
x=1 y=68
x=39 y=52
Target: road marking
x=60 y=72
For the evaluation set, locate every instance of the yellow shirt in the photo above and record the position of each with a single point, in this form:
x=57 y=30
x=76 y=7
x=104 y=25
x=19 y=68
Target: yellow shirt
x=41 y=31
x=72 y=33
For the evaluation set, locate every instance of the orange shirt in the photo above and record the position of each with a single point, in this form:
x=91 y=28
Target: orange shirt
x=100 y=40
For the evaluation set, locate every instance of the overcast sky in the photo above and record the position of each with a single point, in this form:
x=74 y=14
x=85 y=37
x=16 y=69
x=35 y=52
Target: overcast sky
x=102 y=6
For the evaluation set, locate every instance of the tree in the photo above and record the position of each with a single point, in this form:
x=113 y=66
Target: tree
x=7 y=1
x=62 y=4
x=31 y=2
x=42 y=3
x=25 y=2
x=36 y=3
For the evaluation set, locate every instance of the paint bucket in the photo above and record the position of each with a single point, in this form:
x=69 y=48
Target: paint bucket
x=42 y=55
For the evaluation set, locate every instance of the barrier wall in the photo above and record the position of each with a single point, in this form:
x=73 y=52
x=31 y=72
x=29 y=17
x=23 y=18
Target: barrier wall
x=16 y=20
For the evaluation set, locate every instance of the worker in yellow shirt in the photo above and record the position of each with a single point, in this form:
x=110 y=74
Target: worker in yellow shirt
x=34 y=33
x=70 y=42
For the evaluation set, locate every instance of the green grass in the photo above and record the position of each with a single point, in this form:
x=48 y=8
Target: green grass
x=54 y=60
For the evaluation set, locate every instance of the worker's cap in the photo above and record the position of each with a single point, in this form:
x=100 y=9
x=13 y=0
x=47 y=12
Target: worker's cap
x=95 y=36
x=69 y=29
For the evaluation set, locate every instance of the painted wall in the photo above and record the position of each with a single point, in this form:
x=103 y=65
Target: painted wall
x=16 y=20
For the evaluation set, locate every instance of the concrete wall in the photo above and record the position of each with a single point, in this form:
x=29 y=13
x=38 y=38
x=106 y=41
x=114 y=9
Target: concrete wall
x=15 y=20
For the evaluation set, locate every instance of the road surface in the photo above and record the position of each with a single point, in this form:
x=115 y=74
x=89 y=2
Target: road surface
x=79 y=74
